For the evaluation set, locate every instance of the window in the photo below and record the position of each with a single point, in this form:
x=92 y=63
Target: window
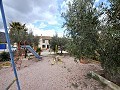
x=47 y=46
x=43 y=46
x=43 y=41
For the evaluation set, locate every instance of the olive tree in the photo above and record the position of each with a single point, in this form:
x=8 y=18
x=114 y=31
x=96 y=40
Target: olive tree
x=81 y=22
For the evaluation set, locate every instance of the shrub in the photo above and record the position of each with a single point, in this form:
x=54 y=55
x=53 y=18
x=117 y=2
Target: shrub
x=4 y=56
x=39 y=51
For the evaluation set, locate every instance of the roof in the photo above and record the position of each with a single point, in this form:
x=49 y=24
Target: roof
x=2 y=37
x=46 y=37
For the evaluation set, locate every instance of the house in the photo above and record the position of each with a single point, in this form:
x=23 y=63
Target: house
x=3 y=42
x=44 y=42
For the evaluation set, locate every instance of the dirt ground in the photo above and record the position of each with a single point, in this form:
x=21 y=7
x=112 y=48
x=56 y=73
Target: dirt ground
x=49 y=75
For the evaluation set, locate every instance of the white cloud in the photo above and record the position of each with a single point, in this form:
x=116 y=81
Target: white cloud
x=2 y=30
x=64 y=5
x=97 y=1
x=51 y=19
x=53 y=22
x=37 y=31
x=44 y=32
x=30 y=10
x=42 y=25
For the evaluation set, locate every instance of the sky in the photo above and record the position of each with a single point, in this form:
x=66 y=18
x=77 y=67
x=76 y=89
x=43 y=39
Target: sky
x=40 y=16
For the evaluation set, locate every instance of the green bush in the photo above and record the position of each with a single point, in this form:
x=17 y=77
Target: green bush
x=39 y=50
x=4 y=56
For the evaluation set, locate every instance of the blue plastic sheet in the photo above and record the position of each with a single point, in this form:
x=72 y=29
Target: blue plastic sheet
x=3 y=46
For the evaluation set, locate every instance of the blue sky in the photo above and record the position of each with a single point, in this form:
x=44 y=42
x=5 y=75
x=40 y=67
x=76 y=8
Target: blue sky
x=41 y=16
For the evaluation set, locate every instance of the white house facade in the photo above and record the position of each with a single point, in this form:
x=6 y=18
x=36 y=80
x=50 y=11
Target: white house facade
x=44 y=42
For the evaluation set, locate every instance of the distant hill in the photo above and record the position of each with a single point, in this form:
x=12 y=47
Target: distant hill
x=2 y=37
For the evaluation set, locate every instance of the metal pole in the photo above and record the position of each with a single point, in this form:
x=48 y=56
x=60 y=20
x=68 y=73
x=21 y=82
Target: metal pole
x=9 y=45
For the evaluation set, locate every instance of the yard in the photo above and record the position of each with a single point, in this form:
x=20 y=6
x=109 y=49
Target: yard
x=46 y=75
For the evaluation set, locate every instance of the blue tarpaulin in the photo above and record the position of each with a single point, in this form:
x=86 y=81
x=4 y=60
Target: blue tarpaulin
x=2 y=46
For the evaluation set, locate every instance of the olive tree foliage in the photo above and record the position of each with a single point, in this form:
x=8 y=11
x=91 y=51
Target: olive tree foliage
x=109 y=54
x=109 y=41
x=62 y=41
x=54 y=42
x=58 y=42
x=36 y=41
x=30 y=38
x=113 y=14
x=81 y=24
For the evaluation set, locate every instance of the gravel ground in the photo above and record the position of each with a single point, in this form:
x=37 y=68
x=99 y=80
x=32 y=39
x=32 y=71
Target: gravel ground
x=44 y=76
